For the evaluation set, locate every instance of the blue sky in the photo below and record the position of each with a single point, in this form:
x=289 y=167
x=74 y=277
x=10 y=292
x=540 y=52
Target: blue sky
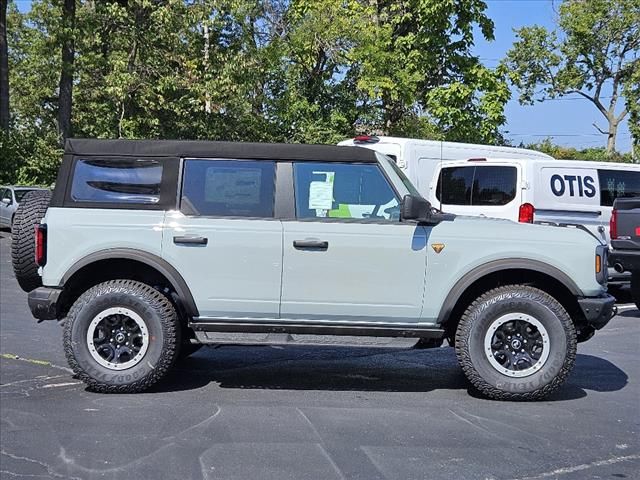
x=568 y=120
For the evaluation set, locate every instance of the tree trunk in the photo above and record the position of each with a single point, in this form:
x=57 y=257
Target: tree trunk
x=4 y=68
x=611 y=138
x=66 y=74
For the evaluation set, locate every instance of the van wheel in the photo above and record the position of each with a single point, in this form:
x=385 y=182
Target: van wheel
x=31 y=210
x=516 y=343
x=121 y=336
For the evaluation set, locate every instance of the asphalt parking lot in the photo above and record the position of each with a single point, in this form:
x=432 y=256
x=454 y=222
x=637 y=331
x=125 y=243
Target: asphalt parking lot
x=311 y=413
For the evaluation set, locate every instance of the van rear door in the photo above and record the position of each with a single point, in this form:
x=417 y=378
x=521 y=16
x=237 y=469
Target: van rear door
x=478 y=188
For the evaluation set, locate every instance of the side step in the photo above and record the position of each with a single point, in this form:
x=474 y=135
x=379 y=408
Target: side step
x=276 y=332
x=217 y=338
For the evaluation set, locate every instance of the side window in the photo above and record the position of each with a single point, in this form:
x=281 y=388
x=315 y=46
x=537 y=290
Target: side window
x=228 y=188
x=342 y=190
x=477 y=185
x=117 y=180
x=454 y=185
x=617 y=183
x=494 y=185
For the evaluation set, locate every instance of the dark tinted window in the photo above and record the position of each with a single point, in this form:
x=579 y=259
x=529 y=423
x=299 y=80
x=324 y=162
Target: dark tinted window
x=477 y=185
x=342 y=190
x=617 y=183
x=20 y=193
x=454 y=185
x=229 y=188
x=494 y=185
x=117 y=180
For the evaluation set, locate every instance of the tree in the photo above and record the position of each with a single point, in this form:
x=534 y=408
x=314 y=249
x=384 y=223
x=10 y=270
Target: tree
x=419 y=65
x=65 y=89
x=594 y=50
x=4 y=68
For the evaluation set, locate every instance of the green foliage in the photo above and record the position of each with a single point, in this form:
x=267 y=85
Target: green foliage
x=596 y=47
x=569 y=153
x=28 y=158
x=310 y=71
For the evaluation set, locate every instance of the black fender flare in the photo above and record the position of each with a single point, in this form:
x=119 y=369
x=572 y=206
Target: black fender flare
x=153 y=261
x=494 y=266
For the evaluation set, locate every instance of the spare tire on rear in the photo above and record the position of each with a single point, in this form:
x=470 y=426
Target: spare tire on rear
x=29 y=213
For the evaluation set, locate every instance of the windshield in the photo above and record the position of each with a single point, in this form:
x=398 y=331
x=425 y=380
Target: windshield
x=407 y=183
x=20 y=193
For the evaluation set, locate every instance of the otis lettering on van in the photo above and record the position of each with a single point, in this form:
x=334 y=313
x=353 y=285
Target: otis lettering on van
x=574 y=185
x=560 y=186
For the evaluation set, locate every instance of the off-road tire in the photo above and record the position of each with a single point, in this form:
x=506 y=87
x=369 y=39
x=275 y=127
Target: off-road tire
x=31 y=210
x=161 y=321
x=479 y=317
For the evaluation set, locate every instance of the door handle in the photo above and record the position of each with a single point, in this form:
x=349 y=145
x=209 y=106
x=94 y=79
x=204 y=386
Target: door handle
x=310 y=245
x=190 y=240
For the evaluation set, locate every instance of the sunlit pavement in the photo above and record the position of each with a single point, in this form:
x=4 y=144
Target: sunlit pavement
x=311 y=413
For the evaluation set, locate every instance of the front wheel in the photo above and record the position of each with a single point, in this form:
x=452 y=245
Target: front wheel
x=516 y=343
x=121 y=336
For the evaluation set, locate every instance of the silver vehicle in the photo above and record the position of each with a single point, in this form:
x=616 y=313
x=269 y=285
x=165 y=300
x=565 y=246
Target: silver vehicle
x=150 y=249
x=10 y=198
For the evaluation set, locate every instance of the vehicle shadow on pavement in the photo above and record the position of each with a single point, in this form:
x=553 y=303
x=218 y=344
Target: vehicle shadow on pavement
x=633 y=313
x=359 y=369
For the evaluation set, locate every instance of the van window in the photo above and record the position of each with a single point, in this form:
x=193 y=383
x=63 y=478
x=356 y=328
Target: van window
x=117 y=180
x=228 y=188
x=617 y=183
x=477 y=185
x=454 y=185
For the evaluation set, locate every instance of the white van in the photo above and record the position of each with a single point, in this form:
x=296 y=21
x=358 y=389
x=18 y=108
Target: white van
x=516 y=184
x=540 y=191
x=420 y=158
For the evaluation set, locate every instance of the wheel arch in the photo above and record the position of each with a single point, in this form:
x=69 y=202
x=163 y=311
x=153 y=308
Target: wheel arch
x=110 y=264
x=505 y=272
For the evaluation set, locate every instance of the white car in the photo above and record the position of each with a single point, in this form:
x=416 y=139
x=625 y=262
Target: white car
x=10 y=198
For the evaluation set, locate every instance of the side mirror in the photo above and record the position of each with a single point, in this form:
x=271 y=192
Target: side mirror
x=415 y=208
x=6 y=201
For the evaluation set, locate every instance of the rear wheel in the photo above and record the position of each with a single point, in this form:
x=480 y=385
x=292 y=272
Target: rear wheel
x=31 y=210
x=121 y=336
x=516 y=343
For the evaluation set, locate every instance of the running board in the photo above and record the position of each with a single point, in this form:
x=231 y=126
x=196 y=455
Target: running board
x=286 y=339
x=366 y=329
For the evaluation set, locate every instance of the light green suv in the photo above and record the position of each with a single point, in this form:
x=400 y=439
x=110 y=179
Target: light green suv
x=150 y=249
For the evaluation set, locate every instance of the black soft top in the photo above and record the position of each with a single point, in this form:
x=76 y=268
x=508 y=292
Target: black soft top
x=208 y=149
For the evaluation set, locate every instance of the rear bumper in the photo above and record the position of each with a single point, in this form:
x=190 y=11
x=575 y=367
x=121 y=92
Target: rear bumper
x=43 y=303
x=598 y=310
x=629 y=259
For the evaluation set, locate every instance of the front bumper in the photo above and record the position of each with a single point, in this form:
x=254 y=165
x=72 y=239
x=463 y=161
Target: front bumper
x=598 y=310
x=43 y=303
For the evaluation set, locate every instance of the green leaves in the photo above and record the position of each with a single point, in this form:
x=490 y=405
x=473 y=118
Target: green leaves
x=311 y=71
x=596 y=48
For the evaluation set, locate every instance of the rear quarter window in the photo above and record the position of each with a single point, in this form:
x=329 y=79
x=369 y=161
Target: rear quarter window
x=117 y=180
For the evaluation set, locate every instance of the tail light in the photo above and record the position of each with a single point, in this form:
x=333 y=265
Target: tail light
x=613 y=224
x=525 y=214
x=41 y=245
